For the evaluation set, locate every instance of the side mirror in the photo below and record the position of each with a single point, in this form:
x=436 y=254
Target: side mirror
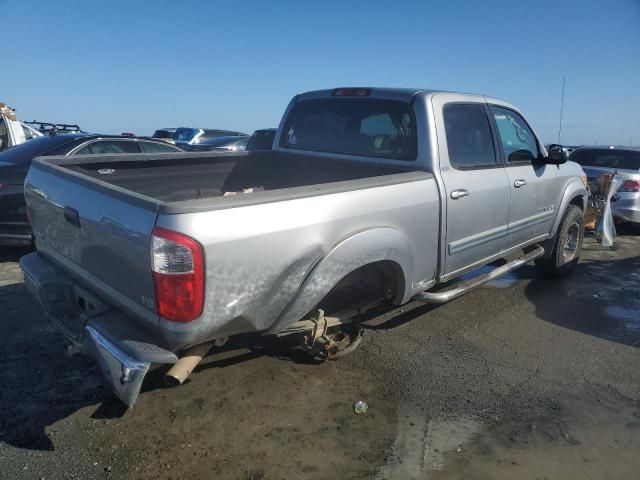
x=557 y=155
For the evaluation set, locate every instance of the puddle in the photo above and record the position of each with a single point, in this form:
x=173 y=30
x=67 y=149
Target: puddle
x=505 y=281
x=596 y=438
x=594 y=441
x=422 y=445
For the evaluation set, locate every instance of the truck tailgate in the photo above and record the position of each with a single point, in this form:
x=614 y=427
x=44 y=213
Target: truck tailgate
x=102 y=236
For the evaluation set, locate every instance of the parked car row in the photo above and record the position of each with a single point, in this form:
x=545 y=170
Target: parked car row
x=15 y=162
x=199 y=139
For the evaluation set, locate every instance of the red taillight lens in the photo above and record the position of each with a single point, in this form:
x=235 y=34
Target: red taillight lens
x=631 y=186
x=178 y=275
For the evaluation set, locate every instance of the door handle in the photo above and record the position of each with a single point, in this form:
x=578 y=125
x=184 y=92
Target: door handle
x=519 y=183
x=456 y=194
x=72 y=216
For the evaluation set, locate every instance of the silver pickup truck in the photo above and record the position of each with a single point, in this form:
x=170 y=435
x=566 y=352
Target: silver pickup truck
x=368 y=196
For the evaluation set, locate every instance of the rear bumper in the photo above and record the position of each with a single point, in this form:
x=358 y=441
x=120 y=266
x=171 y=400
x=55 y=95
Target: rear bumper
x=15 y=233
x=123 y=349
x=627 y=213
x=627 y=207
x=14 y=225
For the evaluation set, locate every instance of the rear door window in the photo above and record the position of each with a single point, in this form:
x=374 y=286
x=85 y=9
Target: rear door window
x=154 y=147
x=109 y=146
x=368 y=127
x=28 y=133
x=469 y=139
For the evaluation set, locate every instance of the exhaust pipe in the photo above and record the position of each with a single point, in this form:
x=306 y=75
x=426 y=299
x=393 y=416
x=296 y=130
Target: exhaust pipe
x=183 y=367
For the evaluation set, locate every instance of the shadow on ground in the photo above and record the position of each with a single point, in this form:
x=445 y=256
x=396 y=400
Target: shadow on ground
x=40 y=384
x=12 y=254
x=610 y=288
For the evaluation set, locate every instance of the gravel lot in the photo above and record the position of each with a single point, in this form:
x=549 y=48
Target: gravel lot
x=523 y=378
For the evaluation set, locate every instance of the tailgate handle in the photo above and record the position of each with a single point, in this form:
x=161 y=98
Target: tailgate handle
x=72 y=216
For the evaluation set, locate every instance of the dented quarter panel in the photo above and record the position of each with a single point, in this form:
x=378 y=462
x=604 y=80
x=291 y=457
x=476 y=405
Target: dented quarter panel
x=268 y=264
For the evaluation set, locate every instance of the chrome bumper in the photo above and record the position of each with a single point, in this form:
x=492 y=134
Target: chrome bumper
x=123 y=350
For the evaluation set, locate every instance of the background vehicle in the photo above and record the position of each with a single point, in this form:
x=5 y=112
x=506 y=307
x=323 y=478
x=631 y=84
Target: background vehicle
x=368 y=196
x=15 y=162
x=233 y=143
x=623 y=160
x=262 y=139
x=194 y=136
x=165 y=134
x=12 y=131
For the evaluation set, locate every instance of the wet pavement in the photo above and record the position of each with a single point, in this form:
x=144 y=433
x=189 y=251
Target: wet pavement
x=525 y=378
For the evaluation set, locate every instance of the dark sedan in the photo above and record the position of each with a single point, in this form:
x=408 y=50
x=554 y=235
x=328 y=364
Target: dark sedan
x=15 y=162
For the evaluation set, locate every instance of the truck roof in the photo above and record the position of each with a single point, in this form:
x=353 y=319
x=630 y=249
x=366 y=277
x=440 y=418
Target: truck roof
x=403 y=94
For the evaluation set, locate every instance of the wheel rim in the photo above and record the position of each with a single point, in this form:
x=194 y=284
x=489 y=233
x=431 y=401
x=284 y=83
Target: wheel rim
x=572 y=242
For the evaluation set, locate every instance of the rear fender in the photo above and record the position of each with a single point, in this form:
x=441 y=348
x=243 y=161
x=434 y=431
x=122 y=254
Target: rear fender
x=363 y=248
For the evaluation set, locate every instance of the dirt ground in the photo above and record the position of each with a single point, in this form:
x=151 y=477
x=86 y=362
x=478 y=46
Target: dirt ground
x=523 y=378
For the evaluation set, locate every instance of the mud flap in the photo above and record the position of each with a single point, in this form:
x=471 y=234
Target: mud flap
x=123 y=373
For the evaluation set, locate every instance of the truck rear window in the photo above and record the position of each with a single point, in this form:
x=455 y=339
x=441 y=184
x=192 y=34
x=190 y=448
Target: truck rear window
x=369 y=127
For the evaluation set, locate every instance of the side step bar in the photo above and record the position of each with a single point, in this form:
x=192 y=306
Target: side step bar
x=463 y=287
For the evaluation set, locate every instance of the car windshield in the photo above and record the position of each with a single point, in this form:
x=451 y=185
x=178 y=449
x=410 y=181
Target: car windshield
x=221 y=141
x=612 y=158
x=369 y=127
x=26 y=152
x=185 y=134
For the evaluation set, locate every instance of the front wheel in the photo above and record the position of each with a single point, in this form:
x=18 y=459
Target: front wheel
x=565 y=246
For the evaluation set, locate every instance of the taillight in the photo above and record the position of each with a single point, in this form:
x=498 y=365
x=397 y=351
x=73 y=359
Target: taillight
x=631 y=186
x=178 y=275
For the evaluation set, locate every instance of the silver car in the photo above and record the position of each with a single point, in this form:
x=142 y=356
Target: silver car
x=623 y=160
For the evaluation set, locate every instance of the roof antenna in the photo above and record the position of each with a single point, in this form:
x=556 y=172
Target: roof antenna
x=564 y=79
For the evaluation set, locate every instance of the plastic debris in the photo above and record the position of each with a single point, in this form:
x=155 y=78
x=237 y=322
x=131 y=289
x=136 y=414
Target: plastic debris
x=360 y=407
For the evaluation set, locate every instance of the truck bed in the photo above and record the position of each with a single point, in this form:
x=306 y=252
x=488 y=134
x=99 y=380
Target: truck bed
x=180 y=177
x=93 y=217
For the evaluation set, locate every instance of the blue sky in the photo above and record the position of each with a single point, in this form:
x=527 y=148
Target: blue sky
x=135 y=66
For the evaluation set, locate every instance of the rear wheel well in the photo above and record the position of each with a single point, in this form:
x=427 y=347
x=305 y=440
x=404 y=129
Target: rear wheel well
x=365 y=287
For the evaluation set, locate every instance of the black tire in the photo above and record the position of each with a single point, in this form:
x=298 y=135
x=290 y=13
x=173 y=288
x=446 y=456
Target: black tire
x=565 y=247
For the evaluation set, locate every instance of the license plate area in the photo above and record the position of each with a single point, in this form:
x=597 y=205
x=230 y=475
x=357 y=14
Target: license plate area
x=72 y=316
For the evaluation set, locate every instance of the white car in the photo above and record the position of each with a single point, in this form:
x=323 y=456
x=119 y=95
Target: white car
x=12 y=131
